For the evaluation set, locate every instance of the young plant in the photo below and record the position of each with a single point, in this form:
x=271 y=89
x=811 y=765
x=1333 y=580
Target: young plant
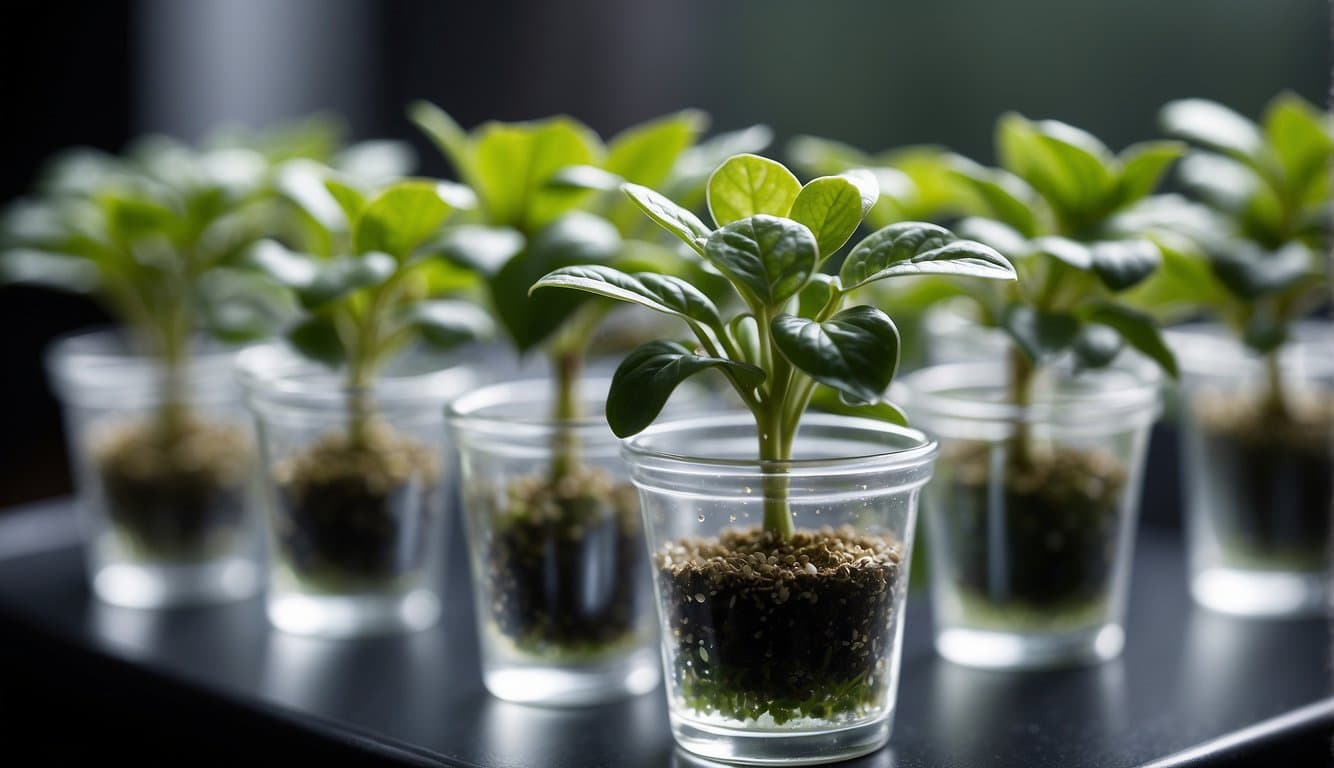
x=799 y=329
x=1056 y=208
x=1265 y=263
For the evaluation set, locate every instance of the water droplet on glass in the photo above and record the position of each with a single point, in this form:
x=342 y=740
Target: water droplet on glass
x=731 y=518
x=746 y=489
x=701 y=518
x=699 y=597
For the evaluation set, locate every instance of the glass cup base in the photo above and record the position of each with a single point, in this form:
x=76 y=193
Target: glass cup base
x=139 y=585
x=543 y=683
x=1261 y=593
x=780 y=746
x=987 y=649
x=353 y=615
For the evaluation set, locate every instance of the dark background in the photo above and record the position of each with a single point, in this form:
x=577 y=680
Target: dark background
x=875 y=73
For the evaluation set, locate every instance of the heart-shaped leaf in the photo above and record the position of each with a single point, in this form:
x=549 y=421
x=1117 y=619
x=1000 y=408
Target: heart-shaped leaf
x=855 y=352
x=444 y=323
x=747 y=185
x=832 y=207
x=918 y=248
x=483 y=250
x=402 y=217
x=669 y=215
x=574 y=239
x=647 y=377
x=1040 y=335
x=768 y=258
x=1139 y=331
x=1122 y=264
x=662 y=293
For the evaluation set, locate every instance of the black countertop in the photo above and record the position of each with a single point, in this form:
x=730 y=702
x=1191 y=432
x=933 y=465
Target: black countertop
x=1192 y=686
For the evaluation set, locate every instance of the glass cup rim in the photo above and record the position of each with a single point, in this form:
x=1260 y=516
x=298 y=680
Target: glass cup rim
x=1212 y=349
x=922 y=450
x=951 y=390
x=103 y=360
x=466 y=412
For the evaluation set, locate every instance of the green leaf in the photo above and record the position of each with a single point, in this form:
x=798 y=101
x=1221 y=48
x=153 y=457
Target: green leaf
x=1065 y=250
x=918 y=248
x=1300 y=139
x=817 y=293
x=52 y=270
x=318 y=282
x=585 y=177
x=1264 y=332
x=825 y=157
x=645 y=153
x=1005 y=239
x=1097 y=345
x=1212 y=125
x=669 y=215
x=647 y=376
x=349 y=198
x=855 y=352
x=316 y=338
x=832 y=207
x=831 y=401
x=447 y=135
x=574 y=239
x=514 y=162
x=1121 y=264
x=239 y=306
x=747 y=185
x=444 y=323
x=130 y=219
x=402 y=217
x=1143 y=166
x=1041 y=335
x=1067 y=166
x=766 y=257
x=1139 y=331
x=1004 y=196
x=484 y=250
x=661 y=293
x=1250 y=272
x=303 y=182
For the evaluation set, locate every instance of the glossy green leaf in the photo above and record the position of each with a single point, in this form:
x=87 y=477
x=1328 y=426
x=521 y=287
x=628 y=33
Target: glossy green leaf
x=1263 y=332
x=585 y=177
x=574 y=239
x=484 y=250
x=645 y=154
x=661 y=293
x=1005 y=239
x=1251 y=272
x=669 y=215
x=1143 y=166
x=514 y=162
x=747 y=185
x=1067 y=166
x=832 y=401
x=855 y=352
x=817 y=293
x=1041 y=335
x=241 y=305
x=1122 y=264
x=918 y=248
x=1004 y=196
x=832 y=207
x=446 y=323
x=349 y=198
x=1097 y=345
x=825 y=157
x=1212 y=125
x=1069 y=252
x=1300 y=138
x=647 y=377
x=402 y=217
x=446 y=134
x=1139 y=331
x=316 y=337
x=318 y=282
x=766 y=257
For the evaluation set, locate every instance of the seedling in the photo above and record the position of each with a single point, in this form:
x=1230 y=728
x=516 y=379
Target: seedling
x=798 y=329
x=1268 y=186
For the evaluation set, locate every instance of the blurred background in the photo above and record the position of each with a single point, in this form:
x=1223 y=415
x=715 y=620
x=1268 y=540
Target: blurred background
x=873 y=73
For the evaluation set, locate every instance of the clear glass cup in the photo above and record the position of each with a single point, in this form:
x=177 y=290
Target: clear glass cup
x=355 y=489
x=1258 y=471
x=557 y=548
x=780 y=652
x=166 y=495
x=1031 y=515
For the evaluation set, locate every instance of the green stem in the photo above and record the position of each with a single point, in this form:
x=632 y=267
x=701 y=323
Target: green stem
x=1276 y=400
x=774 y=436
x=568 y=366
x=1021 y=371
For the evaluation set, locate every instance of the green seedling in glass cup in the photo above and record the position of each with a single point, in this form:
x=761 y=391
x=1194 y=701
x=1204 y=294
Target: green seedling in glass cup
x=798 y=330
x=1256 y=259
x=158 y=235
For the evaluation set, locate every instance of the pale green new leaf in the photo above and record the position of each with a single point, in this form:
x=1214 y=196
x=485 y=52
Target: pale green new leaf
x=747 y=185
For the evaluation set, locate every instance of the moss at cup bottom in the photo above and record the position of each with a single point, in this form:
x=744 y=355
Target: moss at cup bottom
x=174 y=496
x=1050 y=563
x=353 y=514
x=783 y=629
x=563 y=563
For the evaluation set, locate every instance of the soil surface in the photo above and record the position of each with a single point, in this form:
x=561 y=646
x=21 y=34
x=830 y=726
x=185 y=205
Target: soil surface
x=1269 y=478
x=179 y=497
x=1058 y=533
x=356 y=516
x=565 y=563
x=788 y=629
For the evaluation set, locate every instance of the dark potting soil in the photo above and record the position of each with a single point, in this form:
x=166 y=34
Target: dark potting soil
x=1269 y=479
x=354 y=516
x=1058 y=531
x=788 y=628
x=565 y=563
x=178 y=497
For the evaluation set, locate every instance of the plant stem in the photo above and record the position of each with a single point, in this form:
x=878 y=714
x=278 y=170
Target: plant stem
x=568 y=365
x=1275 y=399
x=775 y=451
x=1021 y=371
x=173 y=350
